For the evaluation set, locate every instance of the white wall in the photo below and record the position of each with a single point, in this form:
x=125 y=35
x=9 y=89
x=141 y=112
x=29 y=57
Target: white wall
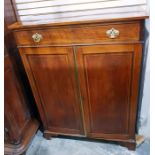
x=145 y=109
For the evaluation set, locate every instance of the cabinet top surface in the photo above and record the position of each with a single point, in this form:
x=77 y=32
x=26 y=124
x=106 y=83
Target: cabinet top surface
x=19 y=25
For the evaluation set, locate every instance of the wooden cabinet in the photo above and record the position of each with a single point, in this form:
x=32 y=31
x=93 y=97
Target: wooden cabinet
x=16 y=114
x=19 y=126
x=85 y=76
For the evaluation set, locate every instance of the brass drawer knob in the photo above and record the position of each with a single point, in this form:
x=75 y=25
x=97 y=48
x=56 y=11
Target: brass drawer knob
x=37 y=37
x=112 y=33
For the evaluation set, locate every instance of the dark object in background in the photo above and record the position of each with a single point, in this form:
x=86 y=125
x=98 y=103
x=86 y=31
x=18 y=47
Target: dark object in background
x=20 y=125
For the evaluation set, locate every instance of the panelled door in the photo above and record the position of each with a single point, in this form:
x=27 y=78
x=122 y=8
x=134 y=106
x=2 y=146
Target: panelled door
x=51 y=73
x=108 y=77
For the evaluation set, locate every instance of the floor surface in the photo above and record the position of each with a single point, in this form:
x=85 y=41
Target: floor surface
x=64 y=146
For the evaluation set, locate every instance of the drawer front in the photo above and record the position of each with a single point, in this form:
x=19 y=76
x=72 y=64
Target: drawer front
x=80 y=34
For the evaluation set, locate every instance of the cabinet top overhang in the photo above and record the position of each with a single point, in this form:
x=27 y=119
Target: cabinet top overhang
x=19 y=25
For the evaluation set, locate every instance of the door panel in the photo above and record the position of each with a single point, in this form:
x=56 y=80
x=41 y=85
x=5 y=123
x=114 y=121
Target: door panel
x=106 y=74
x=52 y=77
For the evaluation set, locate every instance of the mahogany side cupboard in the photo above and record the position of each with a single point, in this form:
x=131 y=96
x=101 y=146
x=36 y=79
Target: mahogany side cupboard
x=20 y=126
x=85 y=76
